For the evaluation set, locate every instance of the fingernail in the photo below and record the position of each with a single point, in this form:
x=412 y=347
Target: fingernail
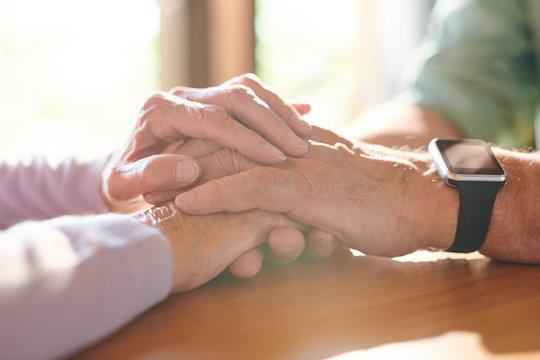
x=275 y=152
x=186 y=171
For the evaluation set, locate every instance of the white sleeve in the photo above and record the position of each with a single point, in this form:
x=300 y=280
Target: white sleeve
x=68 y=282
x=41 y=189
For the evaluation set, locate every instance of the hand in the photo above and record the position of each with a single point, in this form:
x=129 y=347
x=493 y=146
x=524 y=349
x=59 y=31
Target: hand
x=203 y=246
x=285 y=244
x=268 y=129
x=370 y=197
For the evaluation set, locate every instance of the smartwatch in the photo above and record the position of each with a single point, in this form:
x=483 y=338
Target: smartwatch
x=470 y=166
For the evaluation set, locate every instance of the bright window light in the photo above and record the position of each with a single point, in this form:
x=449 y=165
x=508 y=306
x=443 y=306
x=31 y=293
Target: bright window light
x=74 y=74
x=342 y=56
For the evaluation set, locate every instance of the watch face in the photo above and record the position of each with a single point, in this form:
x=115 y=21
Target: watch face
x=469 y=157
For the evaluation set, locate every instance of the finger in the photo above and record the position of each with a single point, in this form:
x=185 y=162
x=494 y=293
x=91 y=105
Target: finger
x=197 y=148
x=242 y=103
x=243 y=191
x=216 y=165
x=285 y=244
x=160 y=197
x=302 y=108
x=248 y=264
x=276 y=102
x=180 y=118
x=155 y=173
x=225 y=162
x=156 y=99
x=320 y=244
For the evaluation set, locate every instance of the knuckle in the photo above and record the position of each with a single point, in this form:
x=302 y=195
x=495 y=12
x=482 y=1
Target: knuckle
x=343 y=151
x=214 y=116
x=148 y=122
x=268 y=178
x=238 y=95
x=214 y=111
x=241 y=91
x=182 y=110
x=232 y=162
x=277 y=186
x=139 y=136
x=153 y=100
x=177 y=90
x=249 y=79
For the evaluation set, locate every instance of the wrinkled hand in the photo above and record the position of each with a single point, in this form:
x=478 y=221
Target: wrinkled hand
x=203 y=246
x=160 y=155
x=285 y=244
x=367 y=196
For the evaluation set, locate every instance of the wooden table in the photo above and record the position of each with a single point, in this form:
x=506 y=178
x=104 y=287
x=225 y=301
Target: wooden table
x=425 y=305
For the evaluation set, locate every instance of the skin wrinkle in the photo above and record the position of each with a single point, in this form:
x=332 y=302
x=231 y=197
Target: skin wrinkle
x=356 y=188
x=170 y=220
x=251 y=81
x=151 y=120
x=149 y=129
x=282 y=181
x=405 y=219
x=232 y=162
x=216 y=118
x=513 y=233
x=166 y=117
x=409 y=217
x=245 y=95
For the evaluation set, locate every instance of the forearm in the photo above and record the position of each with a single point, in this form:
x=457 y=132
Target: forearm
x=68 y=282
x=401 y=125
x=40 y=189
x=515 y=224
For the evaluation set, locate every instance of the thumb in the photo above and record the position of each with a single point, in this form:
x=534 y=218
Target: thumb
x=216 y=165
x=262 y=188
x=154 y=173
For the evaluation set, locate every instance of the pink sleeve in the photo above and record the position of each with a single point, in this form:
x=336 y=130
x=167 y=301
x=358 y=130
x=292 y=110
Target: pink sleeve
x=40 y=189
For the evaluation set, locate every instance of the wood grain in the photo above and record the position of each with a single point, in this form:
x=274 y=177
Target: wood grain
x=320 y=310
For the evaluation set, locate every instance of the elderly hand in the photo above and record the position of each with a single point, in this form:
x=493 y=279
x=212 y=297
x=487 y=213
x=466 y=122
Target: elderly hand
x=267 y=129
x=203 y=246
x=285 y=244
x=372 y=198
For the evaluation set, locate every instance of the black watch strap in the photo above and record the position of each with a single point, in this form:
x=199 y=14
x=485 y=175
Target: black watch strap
x=476 y=199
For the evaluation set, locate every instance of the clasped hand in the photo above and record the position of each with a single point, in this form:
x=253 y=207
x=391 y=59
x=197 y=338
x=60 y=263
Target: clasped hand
x=190 y=136
x=367 y=196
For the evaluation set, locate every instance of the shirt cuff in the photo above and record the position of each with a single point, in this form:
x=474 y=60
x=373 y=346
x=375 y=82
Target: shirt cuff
x=82 y=186
x=142 y=252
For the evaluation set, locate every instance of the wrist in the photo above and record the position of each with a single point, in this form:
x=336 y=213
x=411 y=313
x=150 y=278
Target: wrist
x=169 y=220
x=425 y=209
x=434 y=206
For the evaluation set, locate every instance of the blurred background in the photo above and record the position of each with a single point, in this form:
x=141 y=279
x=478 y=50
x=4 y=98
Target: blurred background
x=74 y=73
